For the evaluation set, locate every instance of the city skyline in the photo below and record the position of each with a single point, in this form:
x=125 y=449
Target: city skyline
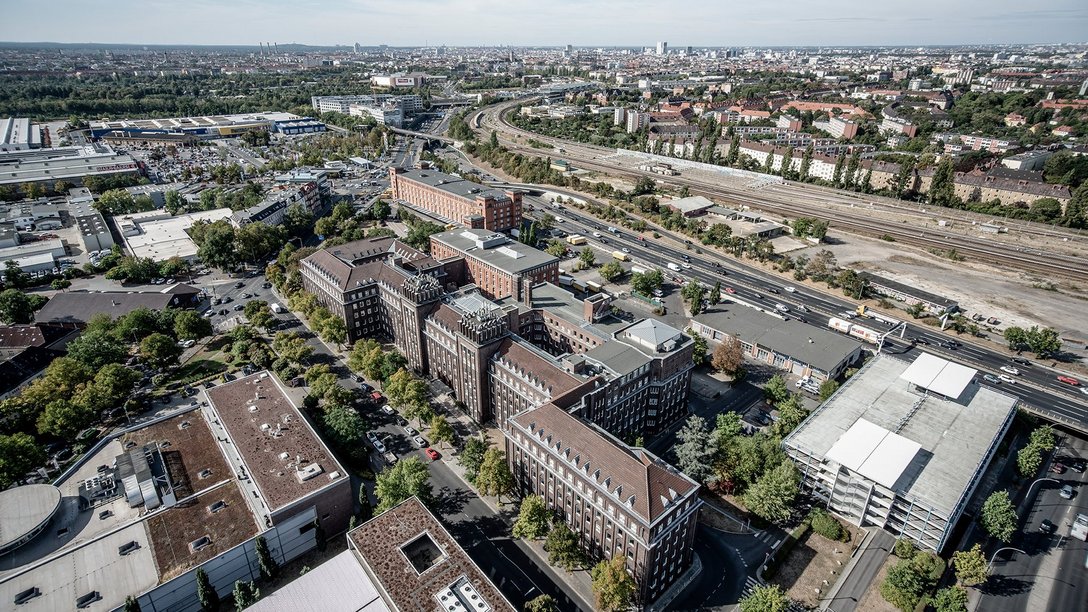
x=493 y=23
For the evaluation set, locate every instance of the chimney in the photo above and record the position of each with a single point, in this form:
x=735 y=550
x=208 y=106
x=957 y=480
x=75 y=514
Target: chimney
x=527 y=291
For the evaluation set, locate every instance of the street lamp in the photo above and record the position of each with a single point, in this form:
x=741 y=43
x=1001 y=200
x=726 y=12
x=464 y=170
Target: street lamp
x=991 y=563
x=1037 y=482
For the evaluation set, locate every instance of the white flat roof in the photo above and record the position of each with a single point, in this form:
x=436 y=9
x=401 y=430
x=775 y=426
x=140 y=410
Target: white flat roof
x=874 y=452
x=939 y=375
x=162 y=236
x=337 y=585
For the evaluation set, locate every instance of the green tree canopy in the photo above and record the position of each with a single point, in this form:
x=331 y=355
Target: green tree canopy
x=998 y=516
x=19 y=453
x=765 y=598
x=534 y=518
x=613 y=588
x=771 y=497
x=405 y=479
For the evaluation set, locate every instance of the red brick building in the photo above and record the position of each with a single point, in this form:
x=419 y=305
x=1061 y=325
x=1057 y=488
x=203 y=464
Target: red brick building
x=457 y=200
x=494 y=263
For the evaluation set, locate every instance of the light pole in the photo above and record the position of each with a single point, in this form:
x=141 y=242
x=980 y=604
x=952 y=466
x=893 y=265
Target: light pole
x=1037 y=482
x=991 y=563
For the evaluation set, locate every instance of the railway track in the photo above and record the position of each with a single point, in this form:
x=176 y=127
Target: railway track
x=1047 y=264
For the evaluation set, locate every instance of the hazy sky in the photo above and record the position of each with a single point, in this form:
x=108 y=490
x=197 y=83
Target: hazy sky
x=546 y=22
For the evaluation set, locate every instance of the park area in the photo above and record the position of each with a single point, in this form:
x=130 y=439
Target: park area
x=814 y=562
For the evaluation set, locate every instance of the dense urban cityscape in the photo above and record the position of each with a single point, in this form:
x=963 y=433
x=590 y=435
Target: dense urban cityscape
x=543 y=327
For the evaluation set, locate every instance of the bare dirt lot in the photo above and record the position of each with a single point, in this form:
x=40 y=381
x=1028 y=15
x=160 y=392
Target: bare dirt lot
x=814 y=565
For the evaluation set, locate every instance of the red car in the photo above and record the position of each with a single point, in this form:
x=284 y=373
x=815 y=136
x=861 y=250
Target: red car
x=1069 y=380
x=1057 y=468
x=730 y=290
x=432 y=453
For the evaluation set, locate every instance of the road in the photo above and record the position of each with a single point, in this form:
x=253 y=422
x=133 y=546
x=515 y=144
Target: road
x=1049 y=573
x=1037 y=385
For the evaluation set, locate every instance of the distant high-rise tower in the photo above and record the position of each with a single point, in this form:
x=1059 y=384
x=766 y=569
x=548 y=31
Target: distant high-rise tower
x=662 y=48
x=358 y=48
x=570 y=48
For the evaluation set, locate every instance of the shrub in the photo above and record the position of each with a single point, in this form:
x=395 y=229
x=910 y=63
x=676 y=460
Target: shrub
x=904 y=548
x=826 y=525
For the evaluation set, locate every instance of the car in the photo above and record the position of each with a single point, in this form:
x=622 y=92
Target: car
x=1021 y=361
x=1010 y=370
x=365 y=388
x=378 y=446
x=685 y=257
x=432 y=453
x=266 y=285
x=186 y=343
x=802 y=319
x=239 y=306
x=781 y=307
x=171 y=281
x=356 y=378
x=1007 y=379
x=370 y=435
x=990 y=378
x=773 y=290
x=411 y=432
x=1084 y=390
x=1077 y=465
x=1069 y=380
x=921 y=341
x=227 y=299
x=790 y=289
x=246 y=296
x=730 y=290
x=685 y=265
x=1047 y=527
x=1067 y=492
x=420 y=442
x=1057 y=467
x=240 y=284
x=208 y=314
x=388 y=410
x=758 y=296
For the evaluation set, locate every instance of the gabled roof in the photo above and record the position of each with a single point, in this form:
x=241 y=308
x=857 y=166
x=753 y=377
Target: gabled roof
x=632 y=477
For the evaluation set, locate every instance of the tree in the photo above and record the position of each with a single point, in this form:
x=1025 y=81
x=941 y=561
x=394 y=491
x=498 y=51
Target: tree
x=542 y=603
x=64 y=418
x=494 y=477
x=826 y=525
x=951 y=599
x=269 y=567
x=587 y=257
x=765 y=598
x=999 y=516
x=1043 y=342
x=776 y=391
x=205 y=592
x=790 y=414
x=904 y=586
x=727 y=426
x=60 y=284
x=942 y=190
x=159 y=350
x=534 y=519
x=441 y=430
x=1017 y=337
x=646 y=283
x=1028 y=460
x=806 y=163
x=245 y=594
x=217 y=247
x=613 y=587
x=15 y=307
x=188 y=325
x=297 y=220
x=556 y=248
x=562 y=547
x=827 y=389
x=259 y=313
x=610 y=271
x=728 y=356
x=131 y=605
x=771 y=497
x=472 y=456
x=405 y=479
x=1043 y=437
x=904 y=548
x=19 y=453
x=344 y=422
x=695 y=453
x=699 y=350
x=971 y=566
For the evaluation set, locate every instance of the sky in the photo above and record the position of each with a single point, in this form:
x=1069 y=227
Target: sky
x=634 y=23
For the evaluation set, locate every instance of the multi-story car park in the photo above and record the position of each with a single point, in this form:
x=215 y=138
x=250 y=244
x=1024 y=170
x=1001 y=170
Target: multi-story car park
x=903 y=446
x=457 y=200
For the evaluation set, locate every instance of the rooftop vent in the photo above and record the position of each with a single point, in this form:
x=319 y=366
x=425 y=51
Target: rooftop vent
x=184 y=425
x=308 y=472
x=129 y=548
x=202 y=474
x=200 y=544
x=253 y=408
x=284 y=456
x=217 y=506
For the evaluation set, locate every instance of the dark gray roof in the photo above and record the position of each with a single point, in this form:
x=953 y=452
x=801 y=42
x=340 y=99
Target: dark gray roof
x=820 y=348
x=78 y=307
x=452 y=184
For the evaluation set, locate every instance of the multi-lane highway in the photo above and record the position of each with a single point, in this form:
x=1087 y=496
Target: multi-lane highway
x=790 y=200
x=1037 y=385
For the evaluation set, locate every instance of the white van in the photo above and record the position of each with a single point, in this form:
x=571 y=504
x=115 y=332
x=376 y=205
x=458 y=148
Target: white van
x=674 y=267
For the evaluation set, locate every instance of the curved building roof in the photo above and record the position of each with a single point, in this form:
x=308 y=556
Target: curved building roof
x=25 y=509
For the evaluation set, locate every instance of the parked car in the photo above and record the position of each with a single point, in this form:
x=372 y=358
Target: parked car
x=1047 y=527
x=411 y=432
x=432 y=453
x=420 y=442
x=240 y=284
x=1057 y=468
x=370 y=435
x=1067 y=492
x=388 y=410
x=378 y=446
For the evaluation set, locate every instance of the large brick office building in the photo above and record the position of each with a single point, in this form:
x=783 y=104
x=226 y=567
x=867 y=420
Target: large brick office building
x=525 y=357
x=498 y=266
x=457 y=200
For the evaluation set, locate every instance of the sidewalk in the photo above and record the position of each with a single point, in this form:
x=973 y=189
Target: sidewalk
x=859 y=572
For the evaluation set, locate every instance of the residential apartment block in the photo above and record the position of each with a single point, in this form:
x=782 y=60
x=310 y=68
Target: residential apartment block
x=457 y=200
